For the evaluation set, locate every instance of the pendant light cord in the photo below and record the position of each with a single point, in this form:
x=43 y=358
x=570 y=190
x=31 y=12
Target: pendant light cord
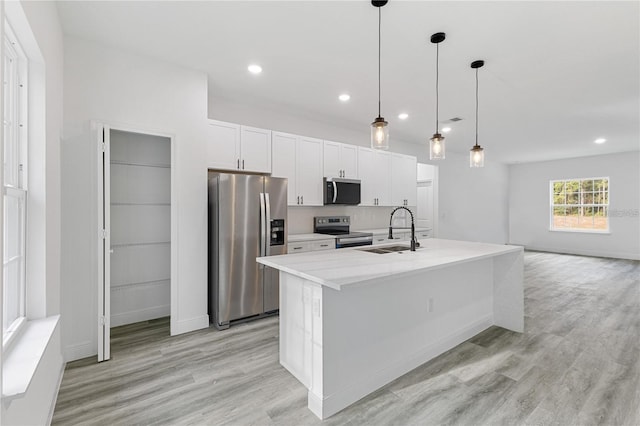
x=437 y=78
x=476 y=106
x=379 y=49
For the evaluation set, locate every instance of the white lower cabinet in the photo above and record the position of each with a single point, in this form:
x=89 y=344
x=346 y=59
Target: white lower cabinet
x=313 y=245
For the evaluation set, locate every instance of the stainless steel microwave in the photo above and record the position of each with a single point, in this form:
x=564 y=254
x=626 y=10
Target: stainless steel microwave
x=341 y=191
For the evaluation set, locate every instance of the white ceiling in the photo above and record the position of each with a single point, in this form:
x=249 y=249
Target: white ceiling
x=557 y=76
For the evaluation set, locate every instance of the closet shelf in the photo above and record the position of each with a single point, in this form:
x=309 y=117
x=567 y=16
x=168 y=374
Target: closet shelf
x=154 y=243
x=140 y=204
x=129 y=163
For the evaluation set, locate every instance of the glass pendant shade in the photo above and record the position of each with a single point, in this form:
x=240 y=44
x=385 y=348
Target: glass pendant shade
x=436 y=147
x=476 y=156
x=380 y=134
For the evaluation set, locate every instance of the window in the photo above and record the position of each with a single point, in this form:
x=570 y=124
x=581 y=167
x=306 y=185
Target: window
x=580 y=205
x=14 y=187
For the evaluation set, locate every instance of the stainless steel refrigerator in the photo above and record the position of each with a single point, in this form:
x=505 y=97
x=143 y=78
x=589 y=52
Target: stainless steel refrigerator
x=247 y=219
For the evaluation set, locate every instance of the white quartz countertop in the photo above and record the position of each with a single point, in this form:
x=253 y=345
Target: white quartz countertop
x=296 y=238
x=380 y=231
x=339 y=269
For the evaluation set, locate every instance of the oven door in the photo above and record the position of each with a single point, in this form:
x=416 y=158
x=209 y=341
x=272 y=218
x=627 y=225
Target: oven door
x=353 y=241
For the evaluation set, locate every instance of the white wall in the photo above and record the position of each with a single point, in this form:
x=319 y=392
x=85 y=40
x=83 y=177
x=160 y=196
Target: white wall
x=529 y=205
x=43 y=258
x=472 y=203
x=135 y=93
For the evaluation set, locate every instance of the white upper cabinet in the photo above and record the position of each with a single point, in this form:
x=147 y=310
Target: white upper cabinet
x=299 y=159
x=374 y=168
x=403 y=180
x=223 y=145
x=340 y=160
x=234 y=147
x=283 y=163
x=255 y=149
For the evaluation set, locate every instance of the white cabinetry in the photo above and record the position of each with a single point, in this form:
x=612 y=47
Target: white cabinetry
x=374 y=168
x=234 y=147
x=315 y=245
x=340 y=160
x=299 y=159
x=403 y=180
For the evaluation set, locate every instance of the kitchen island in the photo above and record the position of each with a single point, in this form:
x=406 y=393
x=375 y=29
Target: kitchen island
x=352 y=320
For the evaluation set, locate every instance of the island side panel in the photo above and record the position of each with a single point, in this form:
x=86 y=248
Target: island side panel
x=508 y=285
x=295 y=327
x=377 y=332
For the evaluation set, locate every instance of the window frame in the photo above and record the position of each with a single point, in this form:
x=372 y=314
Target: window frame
x=16 y=137
x=580 y=204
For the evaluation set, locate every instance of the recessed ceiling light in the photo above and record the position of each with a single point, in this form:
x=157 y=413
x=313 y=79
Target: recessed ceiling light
x=446 y=129
x=403 y=116
x=254 y=69
x=344 y=97
x=600 y=140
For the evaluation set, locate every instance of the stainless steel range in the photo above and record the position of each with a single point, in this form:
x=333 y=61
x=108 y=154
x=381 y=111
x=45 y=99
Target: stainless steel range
x=339 y=227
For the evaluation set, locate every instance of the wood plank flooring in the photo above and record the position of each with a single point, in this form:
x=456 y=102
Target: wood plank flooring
x=577 y=363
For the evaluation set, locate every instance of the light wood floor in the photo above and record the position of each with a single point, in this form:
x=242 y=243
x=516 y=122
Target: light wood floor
x=576 y=364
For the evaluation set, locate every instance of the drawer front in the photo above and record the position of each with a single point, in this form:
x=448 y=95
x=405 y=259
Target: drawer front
x=424 y=234
x=299 y=247
x=324 y=245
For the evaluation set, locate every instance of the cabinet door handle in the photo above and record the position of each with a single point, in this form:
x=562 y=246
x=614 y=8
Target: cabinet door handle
x=298 y=202
x=302 y=199
x=238 y=167
x=297 y=248
x=242 y=164
x=324 y=245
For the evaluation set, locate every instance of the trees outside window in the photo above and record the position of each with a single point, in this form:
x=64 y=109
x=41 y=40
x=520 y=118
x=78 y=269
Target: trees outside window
x=580 y=204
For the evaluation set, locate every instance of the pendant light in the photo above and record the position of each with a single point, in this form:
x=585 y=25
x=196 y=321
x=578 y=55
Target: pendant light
x=476 y=156
x=436 y=143
x=379 y=127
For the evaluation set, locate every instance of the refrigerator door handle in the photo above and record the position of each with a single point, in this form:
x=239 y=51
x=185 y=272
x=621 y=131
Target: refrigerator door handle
x=263 y=228
x=335 y=192
x=267 y=226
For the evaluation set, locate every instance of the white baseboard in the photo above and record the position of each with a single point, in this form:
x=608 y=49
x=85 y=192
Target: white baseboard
x=331 y=404
x=80 y=350
x=192 y=324
x=582 y=252
x=55 y=396
x=140 y=315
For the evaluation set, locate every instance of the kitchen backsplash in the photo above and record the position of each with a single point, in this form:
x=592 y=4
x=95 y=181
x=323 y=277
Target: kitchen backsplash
x=301 y=218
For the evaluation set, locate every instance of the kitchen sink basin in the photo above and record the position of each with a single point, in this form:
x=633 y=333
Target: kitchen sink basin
x=387 y=249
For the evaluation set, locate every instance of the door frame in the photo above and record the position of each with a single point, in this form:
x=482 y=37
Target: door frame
x=101 y=130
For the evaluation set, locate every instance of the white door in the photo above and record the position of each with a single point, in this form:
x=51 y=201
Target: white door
x=382 y=175
x=223 y=146
x=283 y=163
x=255 y=148
x=331 y=157
x=104 y=243
x=366 y=168
x=425 y=205
x=309 y=171
x=134 y=229
x=349 y=161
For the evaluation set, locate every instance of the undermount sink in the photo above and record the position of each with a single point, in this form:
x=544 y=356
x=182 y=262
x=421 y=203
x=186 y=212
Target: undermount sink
x=387 y=249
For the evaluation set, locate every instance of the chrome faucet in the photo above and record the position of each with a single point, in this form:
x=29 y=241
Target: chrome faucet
x=414 y=243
